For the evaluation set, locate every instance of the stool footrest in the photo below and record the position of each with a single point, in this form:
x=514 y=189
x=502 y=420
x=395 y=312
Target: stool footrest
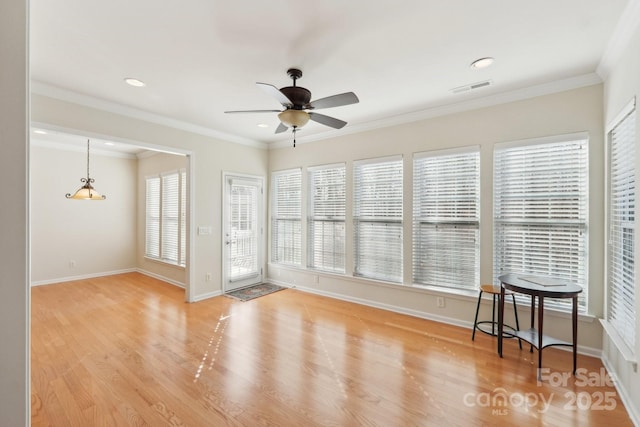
x=496 y=293
x=493 y=331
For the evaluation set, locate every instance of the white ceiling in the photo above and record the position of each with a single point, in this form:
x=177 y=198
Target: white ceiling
x=202 y=57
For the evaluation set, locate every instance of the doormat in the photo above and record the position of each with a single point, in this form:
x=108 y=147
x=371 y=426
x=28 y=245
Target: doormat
x=254 y=291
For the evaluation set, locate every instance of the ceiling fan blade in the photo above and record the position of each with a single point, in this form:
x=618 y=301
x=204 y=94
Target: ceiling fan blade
x=326 y=120
x=281 y=128
x=253 y=111
x=346 y=98
x=275 y=92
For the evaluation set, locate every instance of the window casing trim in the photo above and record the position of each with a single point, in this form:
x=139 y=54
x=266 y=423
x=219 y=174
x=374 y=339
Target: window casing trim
x=615 y=322
x=293 y=224
x=534 y=226
x=577 y=136
x=626 y=110
x=446 y=218
x=181 y=217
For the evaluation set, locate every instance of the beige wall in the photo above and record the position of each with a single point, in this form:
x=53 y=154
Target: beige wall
x=568 y=112
x=14 y=214
x=147 y=166
x=622 y=84
x=208 y=158
x=72 y=239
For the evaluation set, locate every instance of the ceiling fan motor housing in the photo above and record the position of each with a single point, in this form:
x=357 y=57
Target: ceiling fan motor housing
x=299 y=96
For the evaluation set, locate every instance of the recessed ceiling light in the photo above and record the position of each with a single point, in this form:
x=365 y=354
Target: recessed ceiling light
x=40 y=132
x=134 y=82
x=263 y=125
x=482 y=62
x=110 y=144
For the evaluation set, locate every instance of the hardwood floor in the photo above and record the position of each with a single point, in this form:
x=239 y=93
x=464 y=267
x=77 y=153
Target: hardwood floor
x=127 y=350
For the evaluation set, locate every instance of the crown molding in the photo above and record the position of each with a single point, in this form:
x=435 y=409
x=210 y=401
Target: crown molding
x=36 y=142
x=474 y=104
x=627 y=25
x=50 y=91
x=400 y=119
x=61 y=135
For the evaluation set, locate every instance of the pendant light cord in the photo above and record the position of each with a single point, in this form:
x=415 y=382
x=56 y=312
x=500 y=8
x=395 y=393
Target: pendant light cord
x=88 y=180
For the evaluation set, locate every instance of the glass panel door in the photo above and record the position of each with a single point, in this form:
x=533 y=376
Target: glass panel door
x=242 y=246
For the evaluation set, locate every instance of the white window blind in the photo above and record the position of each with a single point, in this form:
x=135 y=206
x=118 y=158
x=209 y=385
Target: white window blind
x=377 y=219
x=165 y=230
x=183 y=218
x=170 y=218
x=326 y=217
x=446 y=219
x=286 y=216
x=152 y=227
x=540 y=211
x=621 y=252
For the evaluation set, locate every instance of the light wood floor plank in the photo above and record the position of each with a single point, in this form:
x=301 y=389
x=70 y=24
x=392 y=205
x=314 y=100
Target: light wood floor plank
x=126 y=350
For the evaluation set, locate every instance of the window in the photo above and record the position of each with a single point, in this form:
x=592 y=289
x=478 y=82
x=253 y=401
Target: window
x=377 y=219
x=446 y=218
x=166 y=205
x=621 y=217
x=286 y=216
x=326 y=235
x=540 y=195
x=152 y=233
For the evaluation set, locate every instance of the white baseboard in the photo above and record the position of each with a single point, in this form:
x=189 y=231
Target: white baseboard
x=131 y=270
x=369 y=303
x=82 y=277
x=160 y=277
x=629 y=405
x=588 y=351
x=207 y=296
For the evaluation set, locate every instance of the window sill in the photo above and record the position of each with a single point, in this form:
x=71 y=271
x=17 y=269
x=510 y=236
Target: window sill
x=620 y=345
x=461 y=294
x=169 y=264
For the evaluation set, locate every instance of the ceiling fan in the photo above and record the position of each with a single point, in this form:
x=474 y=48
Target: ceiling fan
x=296 y=100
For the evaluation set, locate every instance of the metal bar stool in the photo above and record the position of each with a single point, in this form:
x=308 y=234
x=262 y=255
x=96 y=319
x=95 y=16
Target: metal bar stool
x=495 y=292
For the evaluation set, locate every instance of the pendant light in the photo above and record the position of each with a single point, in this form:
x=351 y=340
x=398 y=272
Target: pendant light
x=86 y=192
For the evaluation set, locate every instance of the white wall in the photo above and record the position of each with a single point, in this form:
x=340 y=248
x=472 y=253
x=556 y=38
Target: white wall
x=209 y=158
x=72 y=239
x=561 y=113
x=621 y=85
x=15 y=399
x=147 y=166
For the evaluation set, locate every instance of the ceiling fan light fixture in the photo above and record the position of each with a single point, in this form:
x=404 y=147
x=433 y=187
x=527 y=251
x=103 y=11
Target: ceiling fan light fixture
x=294 y=118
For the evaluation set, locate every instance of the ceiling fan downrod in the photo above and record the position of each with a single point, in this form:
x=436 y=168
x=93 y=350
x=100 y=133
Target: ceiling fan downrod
x=295 y=74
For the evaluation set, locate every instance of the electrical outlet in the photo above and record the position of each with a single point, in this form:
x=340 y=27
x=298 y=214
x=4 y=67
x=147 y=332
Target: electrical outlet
x=207 y=277
x=440 y=302
x=72 y=263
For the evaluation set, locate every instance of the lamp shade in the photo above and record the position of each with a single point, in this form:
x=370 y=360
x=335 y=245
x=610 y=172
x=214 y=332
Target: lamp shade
x=86 y=192
x=294 y=118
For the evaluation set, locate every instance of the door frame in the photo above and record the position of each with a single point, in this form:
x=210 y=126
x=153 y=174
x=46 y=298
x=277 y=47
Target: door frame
x=226 y=176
